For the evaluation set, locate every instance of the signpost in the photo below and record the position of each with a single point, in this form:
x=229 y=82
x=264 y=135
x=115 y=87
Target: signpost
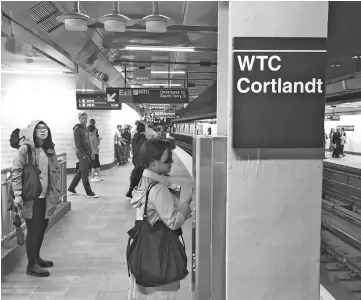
x=98 y=102
x=155 y=96
x=278 y=92
x=346 y=127
x=332 y=118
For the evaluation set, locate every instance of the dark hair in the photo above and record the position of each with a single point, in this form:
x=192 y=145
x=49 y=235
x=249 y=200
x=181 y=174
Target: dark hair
x=48 y=142
x=140 y=129
x=91 y=121
x=151 y=150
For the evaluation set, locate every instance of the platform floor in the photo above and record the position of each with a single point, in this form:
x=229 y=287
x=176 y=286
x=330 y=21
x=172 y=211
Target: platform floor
x=88 y=246
x=349 y=160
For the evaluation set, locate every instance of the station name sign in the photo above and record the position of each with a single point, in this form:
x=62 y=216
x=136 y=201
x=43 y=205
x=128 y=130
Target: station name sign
x=272 y=63
x=278 y=92
x=97 y=102
x=155 y=96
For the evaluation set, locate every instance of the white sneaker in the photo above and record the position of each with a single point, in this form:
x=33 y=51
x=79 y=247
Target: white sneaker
x=94 y=179
x=93 y=195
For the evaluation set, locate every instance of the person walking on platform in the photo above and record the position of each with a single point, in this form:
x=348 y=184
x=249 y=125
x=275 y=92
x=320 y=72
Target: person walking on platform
x=138 y=141
x=94 y=139
x=84 y=154
x=134 y=130
x=163 y=207
x=37 y=149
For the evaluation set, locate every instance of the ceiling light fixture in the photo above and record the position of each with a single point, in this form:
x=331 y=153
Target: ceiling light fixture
x=161 y=84
x=156 y=22
x=75 y=20
x=34 y=72
x=166 y=72
x=115 y=21
x=157 y=48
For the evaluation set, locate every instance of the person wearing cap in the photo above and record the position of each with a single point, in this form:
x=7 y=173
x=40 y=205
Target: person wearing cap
x=84 y=153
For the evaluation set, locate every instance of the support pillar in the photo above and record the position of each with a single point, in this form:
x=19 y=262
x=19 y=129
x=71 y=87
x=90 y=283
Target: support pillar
x=273 y=198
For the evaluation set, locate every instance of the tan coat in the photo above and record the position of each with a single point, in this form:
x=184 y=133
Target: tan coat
x=21 y=158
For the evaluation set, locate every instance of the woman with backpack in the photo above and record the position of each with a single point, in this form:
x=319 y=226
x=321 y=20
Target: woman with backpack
x=163 y=209
x=36 y=149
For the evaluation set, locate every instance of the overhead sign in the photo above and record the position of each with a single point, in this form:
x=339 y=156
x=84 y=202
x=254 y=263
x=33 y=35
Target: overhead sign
x=97 y=102
x=346 y=127
x=278 y=92
x=332 y=118
x=159 y=114
x=142 y=74
x=155 y=96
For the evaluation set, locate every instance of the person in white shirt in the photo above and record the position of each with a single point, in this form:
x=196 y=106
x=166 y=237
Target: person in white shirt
x=149 y=132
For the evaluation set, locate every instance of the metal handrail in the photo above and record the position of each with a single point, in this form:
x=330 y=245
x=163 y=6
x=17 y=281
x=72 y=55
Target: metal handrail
x=7 y=217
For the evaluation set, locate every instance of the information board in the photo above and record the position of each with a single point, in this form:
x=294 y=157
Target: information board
x=332 y=118
x=346 y=127
x=155 y=96
x=278 y=92
x=97 y=102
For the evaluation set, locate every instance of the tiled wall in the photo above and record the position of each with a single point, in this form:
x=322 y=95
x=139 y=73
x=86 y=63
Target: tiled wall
x=52 y=98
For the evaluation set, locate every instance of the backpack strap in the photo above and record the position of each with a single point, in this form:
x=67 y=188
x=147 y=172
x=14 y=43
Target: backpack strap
x=146 y=200
x=30 y=154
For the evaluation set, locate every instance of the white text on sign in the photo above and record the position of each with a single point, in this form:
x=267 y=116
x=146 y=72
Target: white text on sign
x=275 y=85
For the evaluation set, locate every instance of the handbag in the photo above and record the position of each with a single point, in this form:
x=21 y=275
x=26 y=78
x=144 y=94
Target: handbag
x=155 y=254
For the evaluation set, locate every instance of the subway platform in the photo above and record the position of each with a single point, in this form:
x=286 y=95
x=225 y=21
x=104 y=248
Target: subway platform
x=350 y=160
x=88 y=245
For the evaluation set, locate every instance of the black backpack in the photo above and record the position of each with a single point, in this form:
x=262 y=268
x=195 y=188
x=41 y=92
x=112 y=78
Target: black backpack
x=31 y=185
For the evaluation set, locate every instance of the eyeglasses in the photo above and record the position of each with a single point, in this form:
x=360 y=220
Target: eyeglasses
x=41 y=128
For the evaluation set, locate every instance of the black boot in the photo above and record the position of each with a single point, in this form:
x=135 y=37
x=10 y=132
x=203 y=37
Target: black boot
x=45 y=263
x=36 y=270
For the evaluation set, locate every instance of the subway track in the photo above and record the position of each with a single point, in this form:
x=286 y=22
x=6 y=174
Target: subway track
x=340 y=261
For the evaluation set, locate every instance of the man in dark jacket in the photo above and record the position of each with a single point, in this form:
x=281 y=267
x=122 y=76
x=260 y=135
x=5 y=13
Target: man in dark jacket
x=84 y=153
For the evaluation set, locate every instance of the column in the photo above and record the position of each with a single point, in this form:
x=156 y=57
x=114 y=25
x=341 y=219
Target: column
x=223 y=67
x=274 y=191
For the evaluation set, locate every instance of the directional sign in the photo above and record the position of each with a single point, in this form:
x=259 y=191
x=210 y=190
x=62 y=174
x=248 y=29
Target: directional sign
x=97 y=102
x=346 y=127
x=155 y=96
x=111 y=98
x=332 y=118
x=112 y=95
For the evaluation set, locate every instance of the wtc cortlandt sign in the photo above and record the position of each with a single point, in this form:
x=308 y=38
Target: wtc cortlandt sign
x=278 y=92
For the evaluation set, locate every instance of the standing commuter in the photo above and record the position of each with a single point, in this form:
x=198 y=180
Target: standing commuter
x=84 y=154
x=127 y=138
x=330 y=135
x=134 y=130
x=138 y=140
x=119 y=145
x=343 y=141
x=337 y=141
x=149 y=132
x=94 y=139
x=37 y=212
x=156 y=156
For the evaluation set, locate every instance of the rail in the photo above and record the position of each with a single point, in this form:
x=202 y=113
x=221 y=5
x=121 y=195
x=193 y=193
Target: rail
x=7 y=217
